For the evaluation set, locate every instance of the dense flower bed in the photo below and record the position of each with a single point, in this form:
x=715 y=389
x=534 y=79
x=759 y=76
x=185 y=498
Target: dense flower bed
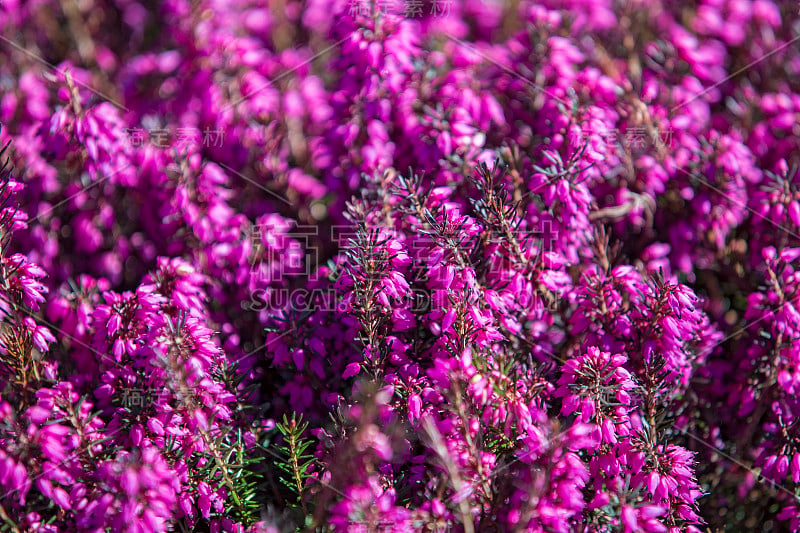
x=344 y=265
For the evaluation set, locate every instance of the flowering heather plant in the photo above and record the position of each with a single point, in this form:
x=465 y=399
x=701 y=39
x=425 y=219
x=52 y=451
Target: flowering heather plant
x=362 y=266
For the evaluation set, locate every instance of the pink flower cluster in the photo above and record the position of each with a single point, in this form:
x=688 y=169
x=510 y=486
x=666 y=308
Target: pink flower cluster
x=326 y=266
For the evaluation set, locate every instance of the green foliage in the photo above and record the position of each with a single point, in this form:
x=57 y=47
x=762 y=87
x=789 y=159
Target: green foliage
x=295 y=469
x=236 y=469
